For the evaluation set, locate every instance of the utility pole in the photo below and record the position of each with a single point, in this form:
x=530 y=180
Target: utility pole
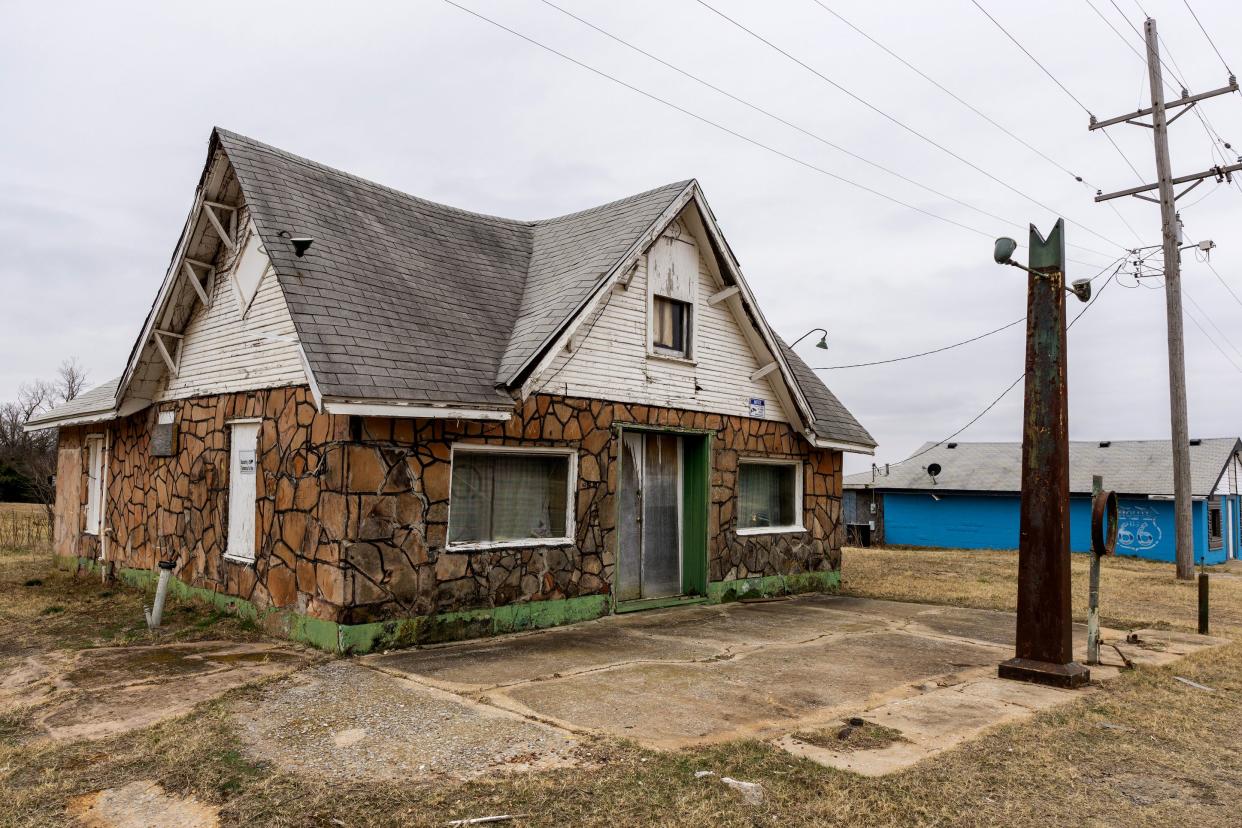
x=1170 y=226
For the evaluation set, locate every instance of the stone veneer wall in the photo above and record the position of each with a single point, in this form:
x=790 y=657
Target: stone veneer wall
x=181 y=502
x=353 y=514
x=398 y=488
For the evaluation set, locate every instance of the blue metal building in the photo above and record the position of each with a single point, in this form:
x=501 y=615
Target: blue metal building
x=966 y=496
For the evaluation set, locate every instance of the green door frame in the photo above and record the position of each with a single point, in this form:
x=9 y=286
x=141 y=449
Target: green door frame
x=696 y=500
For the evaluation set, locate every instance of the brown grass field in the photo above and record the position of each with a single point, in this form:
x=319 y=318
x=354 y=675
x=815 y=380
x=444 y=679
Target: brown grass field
x=1144 y=750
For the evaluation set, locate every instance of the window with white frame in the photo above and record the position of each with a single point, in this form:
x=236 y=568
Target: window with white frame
x=511 y=496
x=769 y=496
x=94 y=484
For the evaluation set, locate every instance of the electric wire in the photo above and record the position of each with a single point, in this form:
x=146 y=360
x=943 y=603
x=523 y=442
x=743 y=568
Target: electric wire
x=948 y=92
x=1223 y=62
x=1053 y=77
x=1004 y=327
x=804 y=131
x=1223 y=283
x=1209 y=338
x=1211 y=322
x=740 y=136
x=1014 y=384
x=898 y=122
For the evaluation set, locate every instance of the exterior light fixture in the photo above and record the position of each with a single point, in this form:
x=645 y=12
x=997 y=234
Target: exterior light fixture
x=1003 y=252
x=823 y=340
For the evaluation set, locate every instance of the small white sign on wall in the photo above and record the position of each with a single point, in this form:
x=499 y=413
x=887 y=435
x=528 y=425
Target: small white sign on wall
x=245 y=462
x=757 y=407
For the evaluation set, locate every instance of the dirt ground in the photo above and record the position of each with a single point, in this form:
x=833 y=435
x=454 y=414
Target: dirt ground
x=1145 y=749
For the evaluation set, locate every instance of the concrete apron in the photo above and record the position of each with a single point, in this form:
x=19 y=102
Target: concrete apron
x=669 y=679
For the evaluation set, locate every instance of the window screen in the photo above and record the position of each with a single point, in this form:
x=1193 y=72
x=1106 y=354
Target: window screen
x=670 y=324
x=767 y=495
x=508 y=496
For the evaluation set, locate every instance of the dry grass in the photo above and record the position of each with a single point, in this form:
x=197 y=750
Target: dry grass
x=843 y=738
x=1145 y=750
x=44 y=608
x=1133 y=593
x=24 y=525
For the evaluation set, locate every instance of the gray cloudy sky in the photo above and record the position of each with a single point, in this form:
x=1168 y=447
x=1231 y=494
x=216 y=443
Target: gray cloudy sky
x=107 y=110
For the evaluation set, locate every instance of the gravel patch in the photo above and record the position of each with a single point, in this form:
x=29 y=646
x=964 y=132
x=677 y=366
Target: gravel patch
x=343 y=720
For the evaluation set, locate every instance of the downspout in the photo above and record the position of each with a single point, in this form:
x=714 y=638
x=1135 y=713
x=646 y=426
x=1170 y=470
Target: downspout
x=103 y=504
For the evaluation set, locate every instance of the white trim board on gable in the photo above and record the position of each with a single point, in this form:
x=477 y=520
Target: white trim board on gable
x=223 y=351
x=611 y=360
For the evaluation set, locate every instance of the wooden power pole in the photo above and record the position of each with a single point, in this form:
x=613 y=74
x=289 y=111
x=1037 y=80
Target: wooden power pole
x=1170 y=232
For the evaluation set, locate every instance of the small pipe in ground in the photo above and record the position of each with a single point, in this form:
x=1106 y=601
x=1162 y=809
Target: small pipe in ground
x=161 y=593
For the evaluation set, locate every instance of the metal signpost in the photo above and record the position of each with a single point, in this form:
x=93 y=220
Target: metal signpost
x=1044 y=650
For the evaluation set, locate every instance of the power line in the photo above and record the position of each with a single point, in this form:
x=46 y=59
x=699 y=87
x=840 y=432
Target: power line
x=948 y=92
x=1053 y=77
x=1215 y=344
x=1223 y=283
x=1208 y=36
x=769 y=114
x=727 y=130
x=1013 y=384
x=1211 y=322
x=1004 y=327
x=896 y=121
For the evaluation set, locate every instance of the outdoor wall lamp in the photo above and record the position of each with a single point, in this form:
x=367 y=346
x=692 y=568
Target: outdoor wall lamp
x=1003 y=254
x=823 y=340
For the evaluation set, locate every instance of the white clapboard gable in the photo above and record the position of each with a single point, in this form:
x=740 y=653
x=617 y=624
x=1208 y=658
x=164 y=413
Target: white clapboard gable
x=238 y=342
x=610 y=357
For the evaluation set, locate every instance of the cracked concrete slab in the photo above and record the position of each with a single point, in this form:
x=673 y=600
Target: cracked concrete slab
x=342 y=722
x=95 y=693
x=694 y=675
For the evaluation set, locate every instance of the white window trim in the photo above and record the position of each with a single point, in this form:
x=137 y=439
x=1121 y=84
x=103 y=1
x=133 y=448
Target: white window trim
x=799 y=499
x=94 y=522
x=571 y=500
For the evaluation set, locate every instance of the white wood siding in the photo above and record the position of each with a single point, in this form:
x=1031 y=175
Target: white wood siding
x=223 y=353
x=611 y=361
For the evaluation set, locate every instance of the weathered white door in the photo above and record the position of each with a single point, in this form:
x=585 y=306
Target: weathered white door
x=243 y=466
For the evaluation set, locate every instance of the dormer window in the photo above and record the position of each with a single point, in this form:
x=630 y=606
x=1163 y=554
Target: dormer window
x=670 y=326
x=672 y=288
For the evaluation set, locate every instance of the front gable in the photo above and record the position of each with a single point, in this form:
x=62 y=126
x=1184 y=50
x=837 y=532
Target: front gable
x=220 y=322
x=614 y=354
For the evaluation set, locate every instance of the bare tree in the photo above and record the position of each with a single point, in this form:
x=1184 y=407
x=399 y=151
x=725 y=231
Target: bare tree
x=33 y=454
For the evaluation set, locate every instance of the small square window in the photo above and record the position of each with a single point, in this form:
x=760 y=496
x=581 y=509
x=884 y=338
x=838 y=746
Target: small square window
x=670 y=326
x=769 y=496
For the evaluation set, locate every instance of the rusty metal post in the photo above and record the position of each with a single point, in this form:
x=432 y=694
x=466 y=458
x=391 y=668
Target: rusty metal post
x=1044 y=647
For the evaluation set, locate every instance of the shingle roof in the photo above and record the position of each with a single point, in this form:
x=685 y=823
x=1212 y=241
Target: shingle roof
x=100 y=400
x=1143 y=467
x=404 y=300
x=833 y=421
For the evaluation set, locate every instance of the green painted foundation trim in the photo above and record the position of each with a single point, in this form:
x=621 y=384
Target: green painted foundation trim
x=770 y=586
x=455 y=626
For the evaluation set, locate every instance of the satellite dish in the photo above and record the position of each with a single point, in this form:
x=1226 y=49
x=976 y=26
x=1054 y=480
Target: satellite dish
x=933 y=470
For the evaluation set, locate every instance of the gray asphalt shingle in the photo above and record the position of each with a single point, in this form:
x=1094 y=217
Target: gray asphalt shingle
x=1143 y=467
x=400 y=299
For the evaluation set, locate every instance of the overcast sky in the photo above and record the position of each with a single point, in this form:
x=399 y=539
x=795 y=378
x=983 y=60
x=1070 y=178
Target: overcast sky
x=107 y=109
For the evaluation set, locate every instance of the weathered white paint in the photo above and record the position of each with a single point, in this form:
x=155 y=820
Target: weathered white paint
x=612 y=360
x=249 y=270
x=243 y=469
x=407 y=411
x=223 y=351
x=94 y=483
